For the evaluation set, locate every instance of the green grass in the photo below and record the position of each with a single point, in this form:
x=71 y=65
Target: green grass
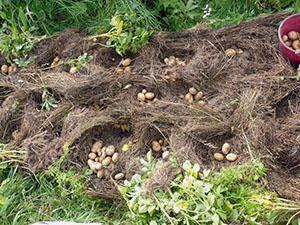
x=26 y=199
x=26 y=19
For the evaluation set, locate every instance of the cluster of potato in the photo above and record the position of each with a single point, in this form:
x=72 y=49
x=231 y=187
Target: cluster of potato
x=194 y=96
x=146 y=96
x=125 y=66
x=226 y=148
x=161 y=146
x=102 y=159
x=5 y=69
x=174 y=61
x=292 y=39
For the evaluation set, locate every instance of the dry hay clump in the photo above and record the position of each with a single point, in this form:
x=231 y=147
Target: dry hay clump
x=241 y=95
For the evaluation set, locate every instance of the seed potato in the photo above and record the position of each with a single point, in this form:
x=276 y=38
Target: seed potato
x=110 y=150
x=230 y=52
x=92 y=155
x=201 y=103
x=285 y=38
x=127 y=70
x=119 y=176
x=106 y=161
x=98 y=166
x=296 y=44
x=10 y=70
x=4 y=69
x=226 y=148
x=141 y=97
x=199 y=96
x=193 y=91
x=149 y=95
x=126 y=62
x=156 y=146
x=73 y=70
x=97 y=146
x=115 y=157
x=218 y=156
x=231 y=157
x=189 y=98
x=165 y=155
x=293 y=35
x=100 y=173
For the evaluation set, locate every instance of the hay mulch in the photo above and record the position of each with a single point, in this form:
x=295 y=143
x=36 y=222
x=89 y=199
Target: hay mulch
x=248 y=104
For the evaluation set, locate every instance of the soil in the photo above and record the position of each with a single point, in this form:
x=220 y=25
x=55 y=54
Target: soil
x=248 y=103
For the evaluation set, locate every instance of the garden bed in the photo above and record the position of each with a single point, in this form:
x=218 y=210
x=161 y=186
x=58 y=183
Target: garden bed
x=248 y=103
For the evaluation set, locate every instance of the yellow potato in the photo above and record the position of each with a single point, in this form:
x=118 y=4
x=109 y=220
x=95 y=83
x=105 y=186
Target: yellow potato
x=156 y=146
x=226 y=148
x=218 y=156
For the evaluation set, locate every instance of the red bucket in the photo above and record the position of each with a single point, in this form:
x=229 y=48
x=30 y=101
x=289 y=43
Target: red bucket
x=291 y=23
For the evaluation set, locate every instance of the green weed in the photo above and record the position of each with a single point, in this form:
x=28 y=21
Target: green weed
x=48 y=101
x=235 y=194
x=80 y=62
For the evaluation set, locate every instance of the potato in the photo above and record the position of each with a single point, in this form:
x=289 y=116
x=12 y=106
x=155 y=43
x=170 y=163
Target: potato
x=126 y=62
x=56 y=59
x=285 y=38
x=119 y=70
x=288 y=43
x=165 y=155
x=293 y=35
x=100 y=173
x=144 y=91
x=119 y=176
x=181 y=63
x=141 y=97
x=127 y=70
x=92 y=156
x=98 y=166
x=97 y=146
x=189 y=98
x=156 y=146
x=218 y=156
x=230 y=52
x=231 y=157
x=226 y=148
x=96 y=159
x=201 y=103
x=110 y=150
x=172 y=61
x=73 y=70
x=14 y=67
x=4 y=69
x=160 y=141
x=115 y=157
x=193 y=91
x=106 y=161
x=199 y=96
x=149 y=95
x=10 y=70
x=91 y=163
x=167 y=61
x=296 y=44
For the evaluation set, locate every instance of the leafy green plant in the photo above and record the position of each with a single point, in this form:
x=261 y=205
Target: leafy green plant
x=48 y=101
x=126 y=34
x=16 y=37
x=234 y=194
x=80 y=62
